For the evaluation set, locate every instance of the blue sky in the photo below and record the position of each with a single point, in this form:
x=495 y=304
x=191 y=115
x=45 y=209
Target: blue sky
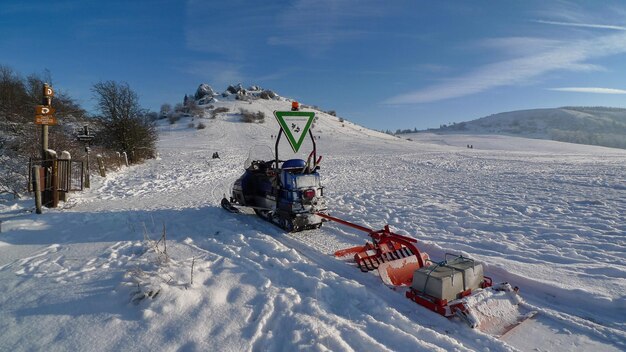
x=382 y=64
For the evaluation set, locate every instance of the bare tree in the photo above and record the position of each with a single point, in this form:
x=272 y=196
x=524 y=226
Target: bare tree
x=194 y=108
x=127 y=126
x=12 y=95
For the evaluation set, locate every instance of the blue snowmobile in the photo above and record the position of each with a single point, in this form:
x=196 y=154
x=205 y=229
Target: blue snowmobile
x=287 y=193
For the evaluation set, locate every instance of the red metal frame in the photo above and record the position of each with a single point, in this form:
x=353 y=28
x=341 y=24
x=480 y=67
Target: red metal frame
x=441 y=306
x=385 y=243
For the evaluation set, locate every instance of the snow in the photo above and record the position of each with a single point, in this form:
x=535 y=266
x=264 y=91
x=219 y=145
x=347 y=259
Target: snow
x=546 y=216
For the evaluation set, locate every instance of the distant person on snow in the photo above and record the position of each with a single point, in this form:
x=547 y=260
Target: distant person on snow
x=216 y=155
x=295 y=106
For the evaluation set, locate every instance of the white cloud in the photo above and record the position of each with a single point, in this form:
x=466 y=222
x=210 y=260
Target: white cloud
x=594 y=90
x=567 y=55
x=583 y=25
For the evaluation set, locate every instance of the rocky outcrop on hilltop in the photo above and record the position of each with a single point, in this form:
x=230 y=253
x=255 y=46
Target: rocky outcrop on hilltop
x=205 y=94
x=204 y=91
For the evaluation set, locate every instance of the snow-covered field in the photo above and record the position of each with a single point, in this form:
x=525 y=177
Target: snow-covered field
x=546 y=216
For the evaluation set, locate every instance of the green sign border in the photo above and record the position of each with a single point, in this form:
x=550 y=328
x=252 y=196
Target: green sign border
x=280 y=117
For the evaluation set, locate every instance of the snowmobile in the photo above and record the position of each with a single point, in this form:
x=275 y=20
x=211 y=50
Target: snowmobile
x=287 y=193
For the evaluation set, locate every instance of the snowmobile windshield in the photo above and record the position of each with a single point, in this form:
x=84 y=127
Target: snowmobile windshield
x=259 y=153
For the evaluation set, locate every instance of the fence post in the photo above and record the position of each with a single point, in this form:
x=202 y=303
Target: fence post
x=119 y=161
x=101 y=166
x=50 y=197
x=55 y=183
x=65 y=175
x=87 y=184
x=125 y=158
x=36 y=174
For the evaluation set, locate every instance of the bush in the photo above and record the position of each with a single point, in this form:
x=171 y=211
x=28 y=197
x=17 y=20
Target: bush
x=201 y=126
x=173 y=118
x=218 y=111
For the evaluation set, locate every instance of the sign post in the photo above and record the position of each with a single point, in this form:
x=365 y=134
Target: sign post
x=86 y=135
x=44 y=116
x=295 y=125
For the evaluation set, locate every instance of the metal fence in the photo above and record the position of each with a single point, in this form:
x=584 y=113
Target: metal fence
x=70 y=174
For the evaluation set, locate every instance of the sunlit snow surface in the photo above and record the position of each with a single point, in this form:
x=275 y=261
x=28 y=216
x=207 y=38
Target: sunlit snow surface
x=548 y=217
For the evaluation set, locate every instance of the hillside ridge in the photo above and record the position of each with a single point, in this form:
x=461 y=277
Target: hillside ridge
x=602 y=126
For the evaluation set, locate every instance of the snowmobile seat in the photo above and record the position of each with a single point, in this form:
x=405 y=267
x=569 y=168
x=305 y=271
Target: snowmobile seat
x=292 y=165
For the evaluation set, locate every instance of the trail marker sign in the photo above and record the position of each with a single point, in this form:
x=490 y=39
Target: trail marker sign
x=45 y=120
x=44 y=115
x=296 y=125
x=44 y=110
x=48 y=91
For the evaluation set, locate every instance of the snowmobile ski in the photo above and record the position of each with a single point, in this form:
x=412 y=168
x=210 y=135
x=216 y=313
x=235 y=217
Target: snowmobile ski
x=229 y=206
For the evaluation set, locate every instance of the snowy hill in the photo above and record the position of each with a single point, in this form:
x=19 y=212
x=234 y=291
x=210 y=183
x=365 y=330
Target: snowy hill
x=95 y=274
x=584 y=125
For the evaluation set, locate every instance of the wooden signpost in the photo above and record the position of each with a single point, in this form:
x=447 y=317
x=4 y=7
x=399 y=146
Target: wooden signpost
x=44 y=116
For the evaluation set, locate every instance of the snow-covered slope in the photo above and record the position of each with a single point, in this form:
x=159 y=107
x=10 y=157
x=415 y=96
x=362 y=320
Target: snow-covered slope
x=585 y=125
x=548 y=217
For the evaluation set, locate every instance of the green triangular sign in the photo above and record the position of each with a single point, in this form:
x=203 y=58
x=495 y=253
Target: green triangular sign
x=296 y=125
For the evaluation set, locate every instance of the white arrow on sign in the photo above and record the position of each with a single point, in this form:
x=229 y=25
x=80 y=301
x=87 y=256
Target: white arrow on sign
x=44 y=110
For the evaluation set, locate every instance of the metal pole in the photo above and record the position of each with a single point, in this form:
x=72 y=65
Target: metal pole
x=87 y=183
x=280 y=133
x=314 y=147
x=276 y=194
x=55 y=183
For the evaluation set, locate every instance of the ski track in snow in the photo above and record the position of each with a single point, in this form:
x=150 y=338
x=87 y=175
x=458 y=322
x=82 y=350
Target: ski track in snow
x=552 y=223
